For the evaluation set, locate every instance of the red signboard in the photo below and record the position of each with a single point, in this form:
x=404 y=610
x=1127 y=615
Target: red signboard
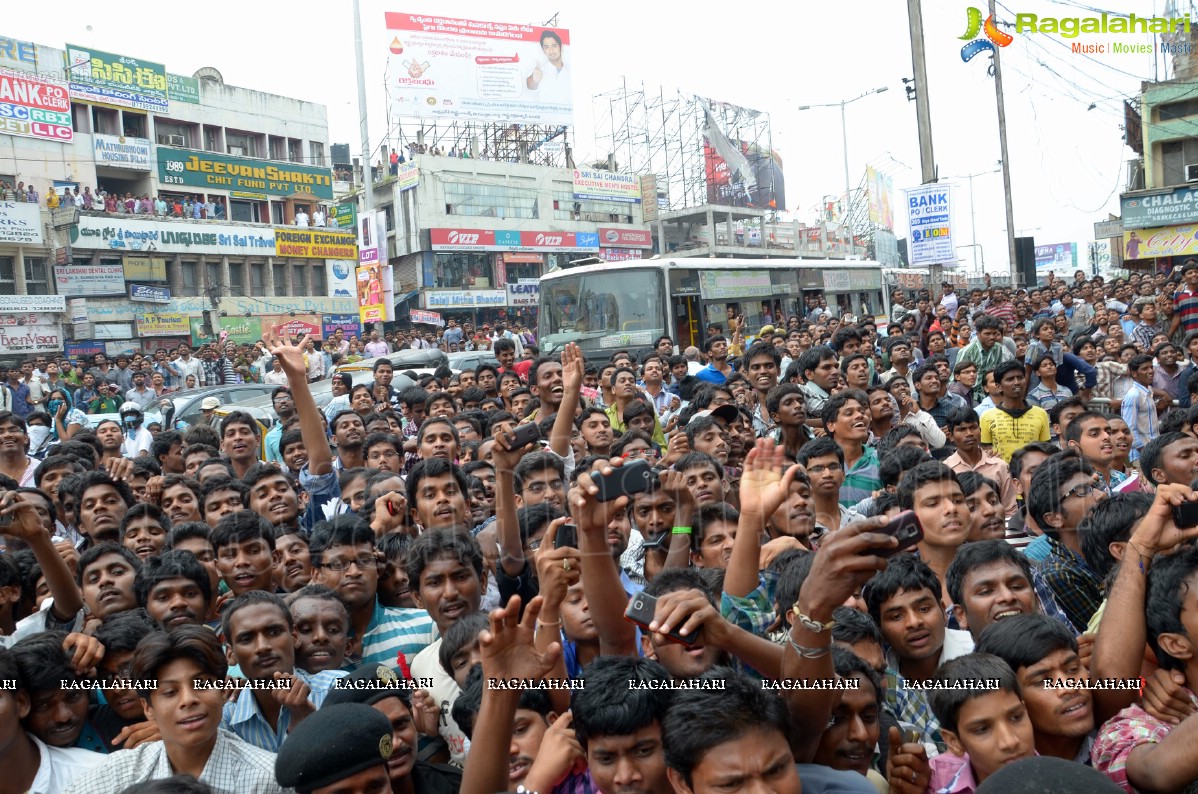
x=548 y=241
x=625 y=238
x=461 y=239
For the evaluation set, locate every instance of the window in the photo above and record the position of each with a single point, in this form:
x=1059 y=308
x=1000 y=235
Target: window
x=37 y=281
x=567 y=208
x=299 y=275
x=104 y=121
x=1177 y=110
x=173 y=133
x=490 y=201
x=237 y=278
x=276 y=213
x=134 y=124
x=279 y=272
x=277 y=146
x=257 y=280
x=463 y=271
x=213 y=139
x=243 y=144
x=1175 y=156
x=319 y=286
x=81 y=115
x=189 y=279
x=8 y=279
x=212 y=280
x=295 y=150
x=317 y=150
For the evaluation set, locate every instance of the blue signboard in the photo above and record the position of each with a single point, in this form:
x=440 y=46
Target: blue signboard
x=148 y=294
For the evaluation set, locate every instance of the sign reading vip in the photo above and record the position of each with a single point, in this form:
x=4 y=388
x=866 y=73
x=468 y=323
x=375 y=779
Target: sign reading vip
x=929 y=213
x=205 y=169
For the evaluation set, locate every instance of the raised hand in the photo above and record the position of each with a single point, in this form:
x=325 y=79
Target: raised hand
x=290 y=356
x=507 y=648
x=572 y=368
x=763 y=485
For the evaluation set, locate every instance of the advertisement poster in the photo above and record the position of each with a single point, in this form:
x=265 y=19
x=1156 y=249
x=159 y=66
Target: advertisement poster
x=880 y=188
x=122 y=152
x=425 y=318
x=408 y=177
x=226 y=172
x=1170 y=241
x=242 y=330
x=1055 y=256
x=315 y=243
x=371 y=244
x=34 y=106
x=349 y=325
x=20 y=222
x=442 y=67
x=98 y=76
x=929 y=213
x=606 y=186
x=339 y=278
x=370 y=294
x=41 y=338
x=162 y=324
x=89 y=279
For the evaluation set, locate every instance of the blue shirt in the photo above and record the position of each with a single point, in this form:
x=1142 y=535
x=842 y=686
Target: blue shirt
x=392 y=631
x=710 y=374
x=20 y=394
x=244 y=718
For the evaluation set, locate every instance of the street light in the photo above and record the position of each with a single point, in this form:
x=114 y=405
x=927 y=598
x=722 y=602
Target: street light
x=848 y=192
x=973 y=226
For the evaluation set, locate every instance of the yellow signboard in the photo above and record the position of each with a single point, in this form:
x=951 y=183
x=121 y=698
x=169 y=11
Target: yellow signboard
x=143 y=268
x=312 y=243
x=163 y=324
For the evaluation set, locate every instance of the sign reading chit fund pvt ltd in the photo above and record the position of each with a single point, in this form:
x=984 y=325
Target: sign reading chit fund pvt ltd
x=209 y=170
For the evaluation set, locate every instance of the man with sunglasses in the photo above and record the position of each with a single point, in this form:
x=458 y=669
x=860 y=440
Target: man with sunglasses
x=1064 y=490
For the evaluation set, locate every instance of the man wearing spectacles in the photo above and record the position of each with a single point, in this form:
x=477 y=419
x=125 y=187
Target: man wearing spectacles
x=1064 y=490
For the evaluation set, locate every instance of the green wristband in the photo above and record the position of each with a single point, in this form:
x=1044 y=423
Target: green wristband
x=682 y=530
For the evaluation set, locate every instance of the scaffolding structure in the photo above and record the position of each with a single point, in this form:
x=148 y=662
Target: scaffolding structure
x=647 y=130
x=514 y=143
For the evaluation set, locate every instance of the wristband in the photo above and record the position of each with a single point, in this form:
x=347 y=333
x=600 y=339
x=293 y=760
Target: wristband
x=682 y=530
x=808 y=653
x=808 y=623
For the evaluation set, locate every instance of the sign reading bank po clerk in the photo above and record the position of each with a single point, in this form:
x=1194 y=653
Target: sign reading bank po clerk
x=34 y=106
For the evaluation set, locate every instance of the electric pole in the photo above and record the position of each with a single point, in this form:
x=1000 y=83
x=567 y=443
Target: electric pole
x=363 y=120
x=1006 y=166
x=923 y=115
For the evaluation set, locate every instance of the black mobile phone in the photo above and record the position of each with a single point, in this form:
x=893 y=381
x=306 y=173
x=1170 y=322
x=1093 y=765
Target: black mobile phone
x=905 y=526
x=641 y=608
x=523 y=435
x=1185 y=515
x=567 y=535
x=633 y=477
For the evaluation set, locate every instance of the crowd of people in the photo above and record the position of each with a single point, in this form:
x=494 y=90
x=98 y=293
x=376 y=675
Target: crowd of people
x=946 y=551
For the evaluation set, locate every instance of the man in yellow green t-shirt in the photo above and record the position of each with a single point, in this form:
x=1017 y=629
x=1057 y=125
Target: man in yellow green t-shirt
x=1012 y=423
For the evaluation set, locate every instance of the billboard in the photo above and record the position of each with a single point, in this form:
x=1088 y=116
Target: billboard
x=163 y=324
x=370 y=293
x=170 y=237
x=1056 y=256
x=740 y=172
x=372 y=237
x=442 y=67
x=348 y=324
x=512 y=240
x=225 y=172
x=32 y=106
x=1169 y=241
x=606 y=186
x=20 y=223
x=880 y=189
x=929 y=214
x=339 y=277
x=407 y=177
x=71 y=280
x=1179 y=205
x=183 y=89
x=98 y=76
x=312 y=243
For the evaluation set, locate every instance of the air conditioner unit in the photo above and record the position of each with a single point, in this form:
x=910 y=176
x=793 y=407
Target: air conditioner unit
x=1192 y=173
x=237 y=150
x=176 y=140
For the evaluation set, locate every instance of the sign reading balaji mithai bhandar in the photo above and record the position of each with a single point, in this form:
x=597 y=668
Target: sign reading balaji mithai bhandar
x=209 y=170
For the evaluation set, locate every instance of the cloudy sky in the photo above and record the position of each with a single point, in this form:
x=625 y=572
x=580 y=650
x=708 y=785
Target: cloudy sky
x=1068 y=162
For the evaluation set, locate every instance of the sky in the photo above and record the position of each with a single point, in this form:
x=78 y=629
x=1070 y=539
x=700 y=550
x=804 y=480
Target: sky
x=1067 y=162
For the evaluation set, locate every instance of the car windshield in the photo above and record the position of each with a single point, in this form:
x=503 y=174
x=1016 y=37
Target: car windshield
x=620 y=308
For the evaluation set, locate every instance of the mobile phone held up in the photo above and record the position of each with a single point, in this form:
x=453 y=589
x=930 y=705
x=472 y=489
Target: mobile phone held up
x=523 y=435
x=905 y=526
x=1185 y=515
x=567 y=535
x=631 y=478
x=640 y=611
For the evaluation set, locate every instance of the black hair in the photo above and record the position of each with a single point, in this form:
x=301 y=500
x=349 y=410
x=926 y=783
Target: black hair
x=94 y=553
x=432 y=467
x=818 y=448
x=198 y=644
x=832 y=406
x=249 y=599
x=1007 y=366
x=460 y=635
x=1110 y=521
x=1024 y=640
x=1074 y=431
x=437 y=544
x=976 y=554
x=215 y=484
x=186 y=531
x=536 y=462
x=1168 y=588
x=175 y=564
x=848 y=664
x=1054 y=413
x=705 y=516
x=971 y=481
x=928 y=472
x=852 y=626
x=469 y=701
x=883 y=502
x=812 y=357
x=343 y=530
x=961 y=416
x=1153 y=452
x=1042 y=447
x=696 y=460
x=123 y=631
x=699 y=720
x=946 y=702
x=905 y=572
x=790 y=582
x=893 y=438
x=240 y=418
x=1045 y=496
x=55 y=462
x=43 y=663
x=147 y=510
x=608 y=706
x=843 y=336
x=242 y=526
x=161 y=446
x=903 y=459
x=531 y=518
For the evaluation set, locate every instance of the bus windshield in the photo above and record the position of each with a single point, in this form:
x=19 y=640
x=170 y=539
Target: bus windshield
x=623 y=308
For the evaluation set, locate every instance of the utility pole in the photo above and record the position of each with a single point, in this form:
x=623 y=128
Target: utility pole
x=363 y=120
x=1006 y=165
x=923 y=115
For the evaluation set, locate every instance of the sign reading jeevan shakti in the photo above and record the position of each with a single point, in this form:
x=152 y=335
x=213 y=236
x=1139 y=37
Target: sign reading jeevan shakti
x=205 y=169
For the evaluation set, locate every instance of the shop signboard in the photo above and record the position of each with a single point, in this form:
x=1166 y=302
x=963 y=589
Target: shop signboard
x=73 y=280
x=292 y=327
x=465 y=298
x=1169 y=241
x=44 y=337
x=242 y=330
x=339 y=278
x=407 y=178
x=43 y=304
x=226 y=172
x=35 y=106
x=162 y=324
x=348 y=324
x=525 y=293
x=20 y=223
x=611 y=237
x=171 y=237
x=425 y=318
x=121 y=151
x=315 y=243
x=1163 y=208
x=149 y=294
x=606 y=186
x=182 y=89
x=726 y=285
x=98 y=76
x=929 y=215
x=143 y=268
x=345 y=216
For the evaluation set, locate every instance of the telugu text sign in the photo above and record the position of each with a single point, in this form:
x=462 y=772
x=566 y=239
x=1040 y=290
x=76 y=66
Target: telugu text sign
x=20 y=223
x=170 y=237
x=225 y=172
x=929 y=213
x=440 y=67
x=183 y=89
x=33 y=106
x=111 y=79
x=315 y=243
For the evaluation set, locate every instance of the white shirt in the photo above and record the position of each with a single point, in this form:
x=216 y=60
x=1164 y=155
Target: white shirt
x=275 y=378
x=60 y=766
x=134 y=447
x=318 y=218
x=555 y=83
x=949 y=301
x=444 y=691
x=301 y=219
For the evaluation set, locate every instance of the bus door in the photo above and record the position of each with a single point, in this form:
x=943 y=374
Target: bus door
x=688 y=321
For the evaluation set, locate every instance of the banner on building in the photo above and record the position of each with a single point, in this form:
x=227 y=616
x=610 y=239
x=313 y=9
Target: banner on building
x=122 y=152
x=20 y=55
x=43 y=304
x=292 y=327
x=606 y=186
x=929 y=214
x=425 y=318
x=465 y=298
x=314 y=243
x=339 y=278
x=225 y=172
x=345 y=216
x=34 y=106
x=880 y=189
x=371 y=244
x=440 y=67
x=241 y=330
x=648 y=187
x=98 y=76
x=370 y=293
x=20 y=223
x=526 y=293
x=163 y=324
x=1163 y=208
x=511 y=240
x=1056 y=256
x=1169 y=241
x=171 y=237
x=45 y=337
x=149 y=294
x=625 y=238
x=144 y=268
x=348 y=324
x=87 y=280
x=182 y=89
x=408 y=178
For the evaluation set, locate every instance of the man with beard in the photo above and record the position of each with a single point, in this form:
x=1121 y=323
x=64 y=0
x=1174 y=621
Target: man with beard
x=848 y=743
x=260 y=640
x=174 y=589
x=111 y=439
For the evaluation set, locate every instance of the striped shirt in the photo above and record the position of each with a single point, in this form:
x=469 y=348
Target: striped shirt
x=393 y=630
x=244 y=718
x=861 y=480
x=1185 y=305
x=987 y=361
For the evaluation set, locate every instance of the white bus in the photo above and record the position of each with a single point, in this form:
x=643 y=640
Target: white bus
x=606 y=306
